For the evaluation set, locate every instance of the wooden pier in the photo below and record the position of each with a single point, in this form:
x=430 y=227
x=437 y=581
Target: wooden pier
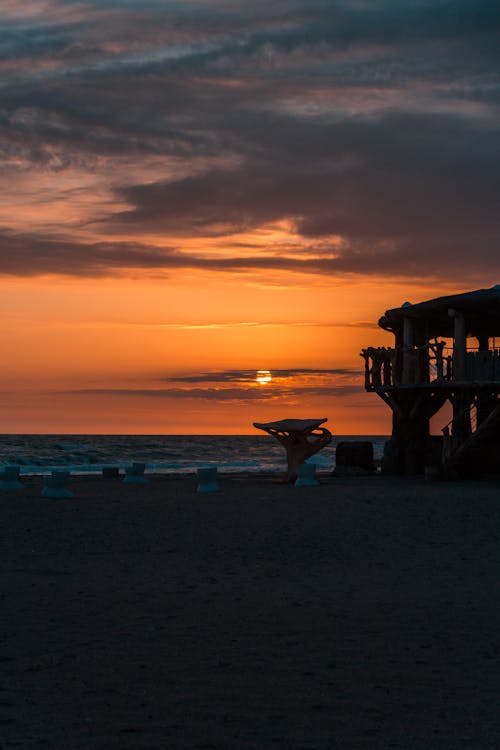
x=444 y=350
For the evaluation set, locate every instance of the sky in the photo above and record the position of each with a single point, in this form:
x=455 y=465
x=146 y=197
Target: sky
x=195 y=190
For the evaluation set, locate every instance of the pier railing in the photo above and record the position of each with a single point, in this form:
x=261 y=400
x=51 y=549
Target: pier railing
x=429 y=363
x=483 y=366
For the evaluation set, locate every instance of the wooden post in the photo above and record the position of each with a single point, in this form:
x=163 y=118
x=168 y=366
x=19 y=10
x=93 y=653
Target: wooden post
x=408 y=364
x=459 y=345
x=407 y=448
x=463 y=398
x=483 y=342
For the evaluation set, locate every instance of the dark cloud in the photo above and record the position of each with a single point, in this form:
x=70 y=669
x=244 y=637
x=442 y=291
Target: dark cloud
x=376 y=124
x=222 y=394
x=207 y=394
x=242 y=376
x=33 y=255
x=404 y=190
x=240 y=385
x=28 y=255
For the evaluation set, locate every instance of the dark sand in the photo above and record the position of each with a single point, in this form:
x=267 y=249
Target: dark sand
x=360 y=614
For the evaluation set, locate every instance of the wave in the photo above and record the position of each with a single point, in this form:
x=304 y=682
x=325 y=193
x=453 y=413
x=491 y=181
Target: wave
x=184 y=454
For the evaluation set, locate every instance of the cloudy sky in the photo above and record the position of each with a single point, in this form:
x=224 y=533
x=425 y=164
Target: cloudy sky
x=193 y=190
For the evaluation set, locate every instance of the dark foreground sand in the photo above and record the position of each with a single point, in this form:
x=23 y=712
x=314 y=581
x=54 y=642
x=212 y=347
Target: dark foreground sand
x=360 y=614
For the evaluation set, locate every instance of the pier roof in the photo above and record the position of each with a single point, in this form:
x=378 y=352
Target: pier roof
x=481 y=309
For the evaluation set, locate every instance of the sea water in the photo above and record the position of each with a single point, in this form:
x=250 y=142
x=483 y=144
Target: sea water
x=179 y=454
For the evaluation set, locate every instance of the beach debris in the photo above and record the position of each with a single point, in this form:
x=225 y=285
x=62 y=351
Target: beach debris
x=207 y=479
x=73 y=448
x=9 y=478
x=56 y=485
x=134 y=474
x=354 y=457
x=306 y=475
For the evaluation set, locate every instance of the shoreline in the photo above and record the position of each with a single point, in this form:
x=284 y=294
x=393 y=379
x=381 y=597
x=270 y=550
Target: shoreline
x=359 y=614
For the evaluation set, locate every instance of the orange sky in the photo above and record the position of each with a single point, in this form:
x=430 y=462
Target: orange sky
x=104 y=355
x=191 y=192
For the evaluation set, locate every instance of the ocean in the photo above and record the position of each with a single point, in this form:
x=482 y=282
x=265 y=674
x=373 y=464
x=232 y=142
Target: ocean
x=179 y=454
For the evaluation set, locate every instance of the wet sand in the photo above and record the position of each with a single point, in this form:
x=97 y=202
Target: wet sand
x=361 y=614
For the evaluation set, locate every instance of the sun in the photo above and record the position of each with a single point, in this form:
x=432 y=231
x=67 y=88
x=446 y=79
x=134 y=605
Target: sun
x=263 y=377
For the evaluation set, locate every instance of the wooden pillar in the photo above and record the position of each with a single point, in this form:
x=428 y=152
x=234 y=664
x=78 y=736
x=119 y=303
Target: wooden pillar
x=461 y=425
x=406 y=451
x=397 y=358
x=459 y=345
x=462 y=398
x=483 y=342
x=486 y=399
x=408 y=340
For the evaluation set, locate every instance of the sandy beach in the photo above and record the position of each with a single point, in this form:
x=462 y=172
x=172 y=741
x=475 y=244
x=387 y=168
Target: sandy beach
x=360 y=614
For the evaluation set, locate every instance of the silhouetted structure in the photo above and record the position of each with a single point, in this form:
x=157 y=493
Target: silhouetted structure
x=422 y=371
x=354 y=457
x=301 y=438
